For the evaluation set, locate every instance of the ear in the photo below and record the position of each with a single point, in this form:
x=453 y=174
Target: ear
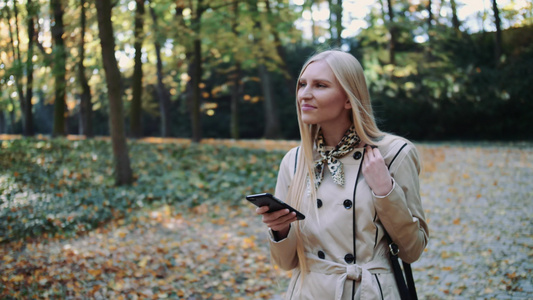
x=347 y=104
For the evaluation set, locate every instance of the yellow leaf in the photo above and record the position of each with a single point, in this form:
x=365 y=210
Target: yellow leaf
x=457 y=221
x=95 y=272
x=458 y=291
x=17 y=278
x=144 y=261
x=466 y=176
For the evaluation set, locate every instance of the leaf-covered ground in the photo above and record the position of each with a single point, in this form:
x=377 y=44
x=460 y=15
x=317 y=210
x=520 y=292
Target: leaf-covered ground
x=185 y=231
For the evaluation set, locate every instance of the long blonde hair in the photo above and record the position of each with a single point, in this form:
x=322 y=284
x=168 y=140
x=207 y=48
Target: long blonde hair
x=349 y=73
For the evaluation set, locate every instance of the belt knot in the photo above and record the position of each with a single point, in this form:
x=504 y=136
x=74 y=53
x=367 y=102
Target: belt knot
x=354 y=272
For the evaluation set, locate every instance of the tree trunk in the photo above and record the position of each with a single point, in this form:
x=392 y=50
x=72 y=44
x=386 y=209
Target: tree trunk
x=430 y=15
x=123 y=173
x=272 y=127
x=338 y=23
x=331 y=24
x=28 y=118
x=137 y=80
x=59 y=68
x=235 y=97
x=498 y=38
x=289 y=80
x=162 y=92
x=455 y=19
x=86 y=109
x=17 y=61
x=3 y=127
x=313 y=23
x=235 y=93
x=392 y=31
x=196 y=122
x=12 y=116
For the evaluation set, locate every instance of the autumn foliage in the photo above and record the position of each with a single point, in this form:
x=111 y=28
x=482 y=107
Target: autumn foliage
x=184 y=230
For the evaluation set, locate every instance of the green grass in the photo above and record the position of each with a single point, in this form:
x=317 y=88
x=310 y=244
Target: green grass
x=64 y=187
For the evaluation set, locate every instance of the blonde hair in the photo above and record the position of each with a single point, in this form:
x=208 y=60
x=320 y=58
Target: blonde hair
x=349 y=73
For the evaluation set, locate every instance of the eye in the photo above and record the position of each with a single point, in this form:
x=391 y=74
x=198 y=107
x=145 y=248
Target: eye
x=321 y=85
x=301 y=84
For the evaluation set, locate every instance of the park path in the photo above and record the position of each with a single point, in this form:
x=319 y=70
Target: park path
x=478 y=202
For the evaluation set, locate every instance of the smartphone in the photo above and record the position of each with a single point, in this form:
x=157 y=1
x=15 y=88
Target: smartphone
x=266 y=199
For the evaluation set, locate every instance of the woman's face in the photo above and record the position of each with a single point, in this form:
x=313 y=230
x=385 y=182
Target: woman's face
x=321 y=98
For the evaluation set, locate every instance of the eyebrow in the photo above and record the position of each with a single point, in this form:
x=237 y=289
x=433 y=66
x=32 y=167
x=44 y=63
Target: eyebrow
x=319 y=80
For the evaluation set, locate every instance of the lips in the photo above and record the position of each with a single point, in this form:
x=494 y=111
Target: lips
x=307 y=107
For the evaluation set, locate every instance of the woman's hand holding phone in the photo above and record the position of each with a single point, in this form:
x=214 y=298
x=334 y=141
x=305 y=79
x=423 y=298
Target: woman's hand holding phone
x=279 y=221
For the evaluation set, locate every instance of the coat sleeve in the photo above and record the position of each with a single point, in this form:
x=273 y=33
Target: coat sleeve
x=401 y=211
x=283 y=252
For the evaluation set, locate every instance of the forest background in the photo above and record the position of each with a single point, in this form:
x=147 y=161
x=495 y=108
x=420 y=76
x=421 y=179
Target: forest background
x=227 y=69
x=78 y=218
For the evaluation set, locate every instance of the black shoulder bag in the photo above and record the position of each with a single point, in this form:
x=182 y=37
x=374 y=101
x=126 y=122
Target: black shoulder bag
x=406 y=285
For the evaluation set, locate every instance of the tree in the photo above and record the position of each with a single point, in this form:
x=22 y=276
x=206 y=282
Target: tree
x=335 y=21
x=86 y=124
x=236 y=76
x=137 y=80
x=59 y=67
x=162 y=92
x=455 y=19
x=393 y=34
x=430 y=14
x=498 y=37
x=123 y=173
x=28 y=117
x=17 y=66
x=272 y=124
x=280 y=50
x=195 y=59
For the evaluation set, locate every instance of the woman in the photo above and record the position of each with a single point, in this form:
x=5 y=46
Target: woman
x=340 y=179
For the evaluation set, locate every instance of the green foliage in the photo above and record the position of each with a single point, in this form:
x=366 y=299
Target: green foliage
x=65 y=187
x=450 y=87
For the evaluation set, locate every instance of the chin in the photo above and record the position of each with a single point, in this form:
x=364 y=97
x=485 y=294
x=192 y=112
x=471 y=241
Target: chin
x=309 y=122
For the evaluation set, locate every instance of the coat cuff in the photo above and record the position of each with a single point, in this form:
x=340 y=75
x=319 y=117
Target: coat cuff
x=388 y=194
x=283 y=252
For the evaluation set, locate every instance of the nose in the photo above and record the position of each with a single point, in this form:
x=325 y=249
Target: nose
x=304 y=93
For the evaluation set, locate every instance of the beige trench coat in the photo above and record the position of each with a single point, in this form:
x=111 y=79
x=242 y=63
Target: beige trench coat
x=342 y=267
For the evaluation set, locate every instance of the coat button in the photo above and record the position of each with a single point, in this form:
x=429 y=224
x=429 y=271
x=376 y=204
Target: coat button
x=348 y=258
x=318 y=203
x=321 y=254
x=357 y=155
x=347 y=204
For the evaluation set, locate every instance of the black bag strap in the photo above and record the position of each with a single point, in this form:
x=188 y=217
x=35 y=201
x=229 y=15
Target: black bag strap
x=407 y=290
x=296 y=159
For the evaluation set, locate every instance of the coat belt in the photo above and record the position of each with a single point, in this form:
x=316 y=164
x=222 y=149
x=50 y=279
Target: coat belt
x=360 y=273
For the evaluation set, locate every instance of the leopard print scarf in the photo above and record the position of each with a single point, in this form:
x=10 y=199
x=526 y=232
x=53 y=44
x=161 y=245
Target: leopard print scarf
x=331 y=158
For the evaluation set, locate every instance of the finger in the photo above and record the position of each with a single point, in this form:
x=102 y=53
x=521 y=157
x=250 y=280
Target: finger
x=282 y=226
x=369 y=155
x=272 y=216
x=277 y=216
x=261 y=210
x=376 y=153
x=283 y=221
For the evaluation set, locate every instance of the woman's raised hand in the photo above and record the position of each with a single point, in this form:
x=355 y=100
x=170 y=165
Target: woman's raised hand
x=376 y=172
